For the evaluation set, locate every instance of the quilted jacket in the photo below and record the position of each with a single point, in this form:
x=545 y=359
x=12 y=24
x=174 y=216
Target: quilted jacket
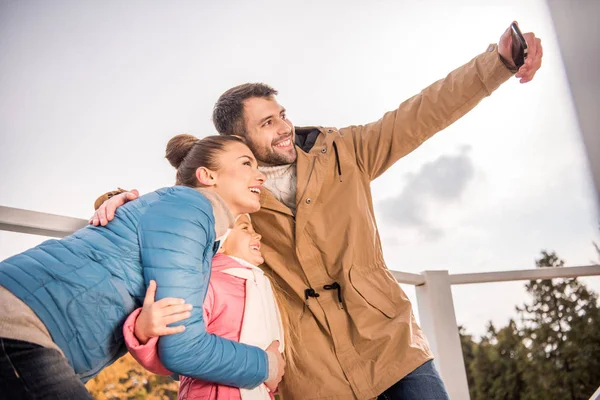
x=84 y=286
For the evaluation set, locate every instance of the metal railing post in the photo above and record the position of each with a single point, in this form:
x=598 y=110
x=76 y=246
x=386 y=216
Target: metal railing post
x=438 y=321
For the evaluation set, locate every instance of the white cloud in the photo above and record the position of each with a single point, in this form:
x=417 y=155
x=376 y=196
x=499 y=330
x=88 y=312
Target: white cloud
x=433 y=186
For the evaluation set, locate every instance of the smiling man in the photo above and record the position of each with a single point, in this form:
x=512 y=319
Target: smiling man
x=358 y=338
x=252 y=111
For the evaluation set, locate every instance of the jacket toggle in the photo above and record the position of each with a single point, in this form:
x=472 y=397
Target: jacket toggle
x=336 y=286
x=310 y=292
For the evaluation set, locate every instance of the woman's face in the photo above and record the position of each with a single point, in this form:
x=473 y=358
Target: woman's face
x=238 y=180
x=242 y=242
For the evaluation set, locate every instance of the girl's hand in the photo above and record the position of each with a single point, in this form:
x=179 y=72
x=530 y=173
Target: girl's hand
x=155 y=316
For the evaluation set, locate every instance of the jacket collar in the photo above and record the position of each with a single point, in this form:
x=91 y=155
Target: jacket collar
x=268 y=201
x=306 y=137
x=223 y=261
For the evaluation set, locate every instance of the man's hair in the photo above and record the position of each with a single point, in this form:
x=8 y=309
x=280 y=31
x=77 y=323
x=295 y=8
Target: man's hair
x=228 y=113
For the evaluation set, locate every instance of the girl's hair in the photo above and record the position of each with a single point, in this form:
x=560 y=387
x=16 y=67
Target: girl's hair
x=291 y=336
x=188 y=153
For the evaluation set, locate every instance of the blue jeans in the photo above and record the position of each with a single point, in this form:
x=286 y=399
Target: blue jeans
x=29 y=371
x=424 y=383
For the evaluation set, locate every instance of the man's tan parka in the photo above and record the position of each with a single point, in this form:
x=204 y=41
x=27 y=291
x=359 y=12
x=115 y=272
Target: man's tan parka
x=356 y=329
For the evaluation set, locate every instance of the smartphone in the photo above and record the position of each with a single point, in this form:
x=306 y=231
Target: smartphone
x=519 y=45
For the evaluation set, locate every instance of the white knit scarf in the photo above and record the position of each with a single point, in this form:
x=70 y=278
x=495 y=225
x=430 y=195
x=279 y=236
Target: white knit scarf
x=261 y=324
x=281 y=181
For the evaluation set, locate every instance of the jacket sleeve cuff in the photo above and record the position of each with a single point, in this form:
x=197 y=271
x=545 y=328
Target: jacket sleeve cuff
x=512 y=68
x=273 y=367
x=131 y=340
x=492 y=69
x=100 y=200
x=145 y=354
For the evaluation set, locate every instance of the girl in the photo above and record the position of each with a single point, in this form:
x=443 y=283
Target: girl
x=239 y=305
x=64 y=301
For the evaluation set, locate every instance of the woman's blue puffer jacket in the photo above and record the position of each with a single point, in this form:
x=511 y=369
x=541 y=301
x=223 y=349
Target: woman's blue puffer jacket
x=84 y=286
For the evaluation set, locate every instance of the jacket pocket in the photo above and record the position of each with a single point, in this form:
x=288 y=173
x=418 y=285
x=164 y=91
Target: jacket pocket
x=377 y=286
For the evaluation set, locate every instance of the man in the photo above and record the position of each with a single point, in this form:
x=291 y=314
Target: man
x=357 y=335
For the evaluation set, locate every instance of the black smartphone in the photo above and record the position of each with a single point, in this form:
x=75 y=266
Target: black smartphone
x=519 y=45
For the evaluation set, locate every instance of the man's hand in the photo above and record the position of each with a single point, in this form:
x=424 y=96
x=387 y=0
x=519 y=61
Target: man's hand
x=155 y=316
x=533 y=62
x=106 y=212
x=274 y=379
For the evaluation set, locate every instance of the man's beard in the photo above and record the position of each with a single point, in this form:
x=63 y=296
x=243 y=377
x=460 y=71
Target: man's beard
x=269 y=157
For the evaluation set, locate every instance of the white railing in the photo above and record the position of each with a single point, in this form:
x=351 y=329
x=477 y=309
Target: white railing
x=596 y=395
x=438 y=318
x=434 y=294
x=37 y=223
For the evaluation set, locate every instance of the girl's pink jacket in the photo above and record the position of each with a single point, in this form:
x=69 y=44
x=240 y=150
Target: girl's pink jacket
x=223 y=314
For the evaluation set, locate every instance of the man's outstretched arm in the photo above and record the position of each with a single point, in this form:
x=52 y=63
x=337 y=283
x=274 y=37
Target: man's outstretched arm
x=378 y=145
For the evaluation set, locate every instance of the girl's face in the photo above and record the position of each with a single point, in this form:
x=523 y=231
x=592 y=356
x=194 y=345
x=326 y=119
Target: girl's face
x=243 y=242
x=238 y=180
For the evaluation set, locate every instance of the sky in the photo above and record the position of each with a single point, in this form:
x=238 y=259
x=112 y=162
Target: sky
x=90 y=93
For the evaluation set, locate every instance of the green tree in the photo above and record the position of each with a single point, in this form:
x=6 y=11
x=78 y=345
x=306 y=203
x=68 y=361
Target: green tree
x=561 y=331
x=511 y=357
x=497 y=366
x=552 y=353
x=481 y=369
x=469 y=347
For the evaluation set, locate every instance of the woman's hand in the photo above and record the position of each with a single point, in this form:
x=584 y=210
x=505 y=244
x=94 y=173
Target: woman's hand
x=155 y=316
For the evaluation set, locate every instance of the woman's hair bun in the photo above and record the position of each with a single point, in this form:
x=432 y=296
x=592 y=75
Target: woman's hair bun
x=179 y=147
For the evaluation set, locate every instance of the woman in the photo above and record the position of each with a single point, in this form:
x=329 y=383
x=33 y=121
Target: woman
x=65 y=301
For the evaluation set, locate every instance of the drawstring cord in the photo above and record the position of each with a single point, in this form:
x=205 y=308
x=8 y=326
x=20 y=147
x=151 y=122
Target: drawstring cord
x=336 y=286
x=337 y=160
x=310 y=292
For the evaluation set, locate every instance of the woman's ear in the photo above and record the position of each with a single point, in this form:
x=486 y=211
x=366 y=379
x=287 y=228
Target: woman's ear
x=206 y=177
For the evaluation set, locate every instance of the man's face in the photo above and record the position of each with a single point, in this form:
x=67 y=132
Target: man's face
x=269 y=134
